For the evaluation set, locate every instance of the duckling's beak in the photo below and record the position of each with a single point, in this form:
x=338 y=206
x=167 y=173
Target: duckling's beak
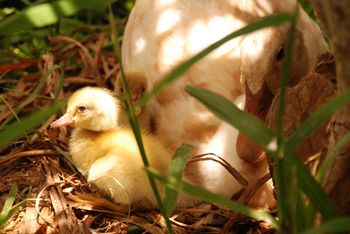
x=65 y=120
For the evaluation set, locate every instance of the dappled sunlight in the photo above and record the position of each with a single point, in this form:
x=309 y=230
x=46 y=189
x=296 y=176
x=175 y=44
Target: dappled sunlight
x=164 y=3
x=255 y=44
x=167 y=20
x=140 y=45
x=223 y=144
x=197 y=37
x=171 y=31
x=172 y=52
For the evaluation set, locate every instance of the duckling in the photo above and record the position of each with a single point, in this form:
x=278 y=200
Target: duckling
x=108 y=154
x=138 y=85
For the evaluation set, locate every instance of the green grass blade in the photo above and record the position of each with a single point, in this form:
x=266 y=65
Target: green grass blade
x=267 y=21
x=287 y=180
x=7 y=208
x=317 y=118
x=285 y=74
x=16 y=130
x=133 y=120
x=312 y=189
x=247 y=124
x=330 y=157
x=45 y=14
x=286 y=185
x=332 y=226
x=302 y=213
x=177 y=166
x=257 y=131
x=213 y=198
x=32 y=96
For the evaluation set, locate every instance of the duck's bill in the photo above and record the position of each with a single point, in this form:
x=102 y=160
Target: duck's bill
x=65 y=120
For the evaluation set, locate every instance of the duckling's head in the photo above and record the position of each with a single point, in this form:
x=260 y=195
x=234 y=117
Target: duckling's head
x=91 y=108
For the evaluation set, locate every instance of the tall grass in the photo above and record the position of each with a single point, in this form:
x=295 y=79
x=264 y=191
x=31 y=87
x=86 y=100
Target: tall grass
x=300 y=195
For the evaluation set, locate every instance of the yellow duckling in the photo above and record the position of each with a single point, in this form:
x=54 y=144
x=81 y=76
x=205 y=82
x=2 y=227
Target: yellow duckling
x=108 y=154
x=138 y=85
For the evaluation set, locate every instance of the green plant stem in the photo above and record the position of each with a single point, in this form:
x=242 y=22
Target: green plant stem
x=317 y=118
x=15 y=130
x=206 y=195
x=285 y=76
x=330 y=157
x=7 y=209
x=134 y=123
x=285 y=199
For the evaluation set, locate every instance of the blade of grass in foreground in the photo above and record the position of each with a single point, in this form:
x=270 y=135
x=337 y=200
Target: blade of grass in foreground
x=177 y=166
x=15 y=130
x=247 y=124
x=330 y=157
x=312 y=189
x=213 y=198
x=272 y=20
x=285 y=179
x=133 y=120
x=257 y=131
x=44 y=14
x=6 y=210
x=332 y=226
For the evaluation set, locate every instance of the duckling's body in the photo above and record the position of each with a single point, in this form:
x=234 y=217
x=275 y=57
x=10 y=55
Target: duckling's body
x=107 y=154
x=111 y=160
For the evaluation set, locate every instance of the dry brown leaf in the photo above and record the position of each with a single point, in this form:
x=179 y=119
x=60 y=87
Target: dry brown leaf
x=301 y=101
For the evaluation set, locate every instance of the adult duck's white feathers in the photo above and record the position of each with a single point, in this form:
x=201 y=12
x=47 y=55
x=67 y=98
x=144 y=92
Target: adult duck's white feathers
x=197 y=126
x=168 y=32
x=161 y=34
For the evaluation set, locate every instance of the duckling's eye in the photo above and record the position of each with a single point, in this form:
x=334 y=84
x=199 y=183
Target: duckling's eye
x=280 y=54
x=121 y=89
x=82 y=109
x=143 y=89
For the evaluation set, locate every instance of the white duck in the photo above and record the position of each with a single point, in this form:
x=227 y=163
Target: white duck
x=160 y=34
x=107 y=154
